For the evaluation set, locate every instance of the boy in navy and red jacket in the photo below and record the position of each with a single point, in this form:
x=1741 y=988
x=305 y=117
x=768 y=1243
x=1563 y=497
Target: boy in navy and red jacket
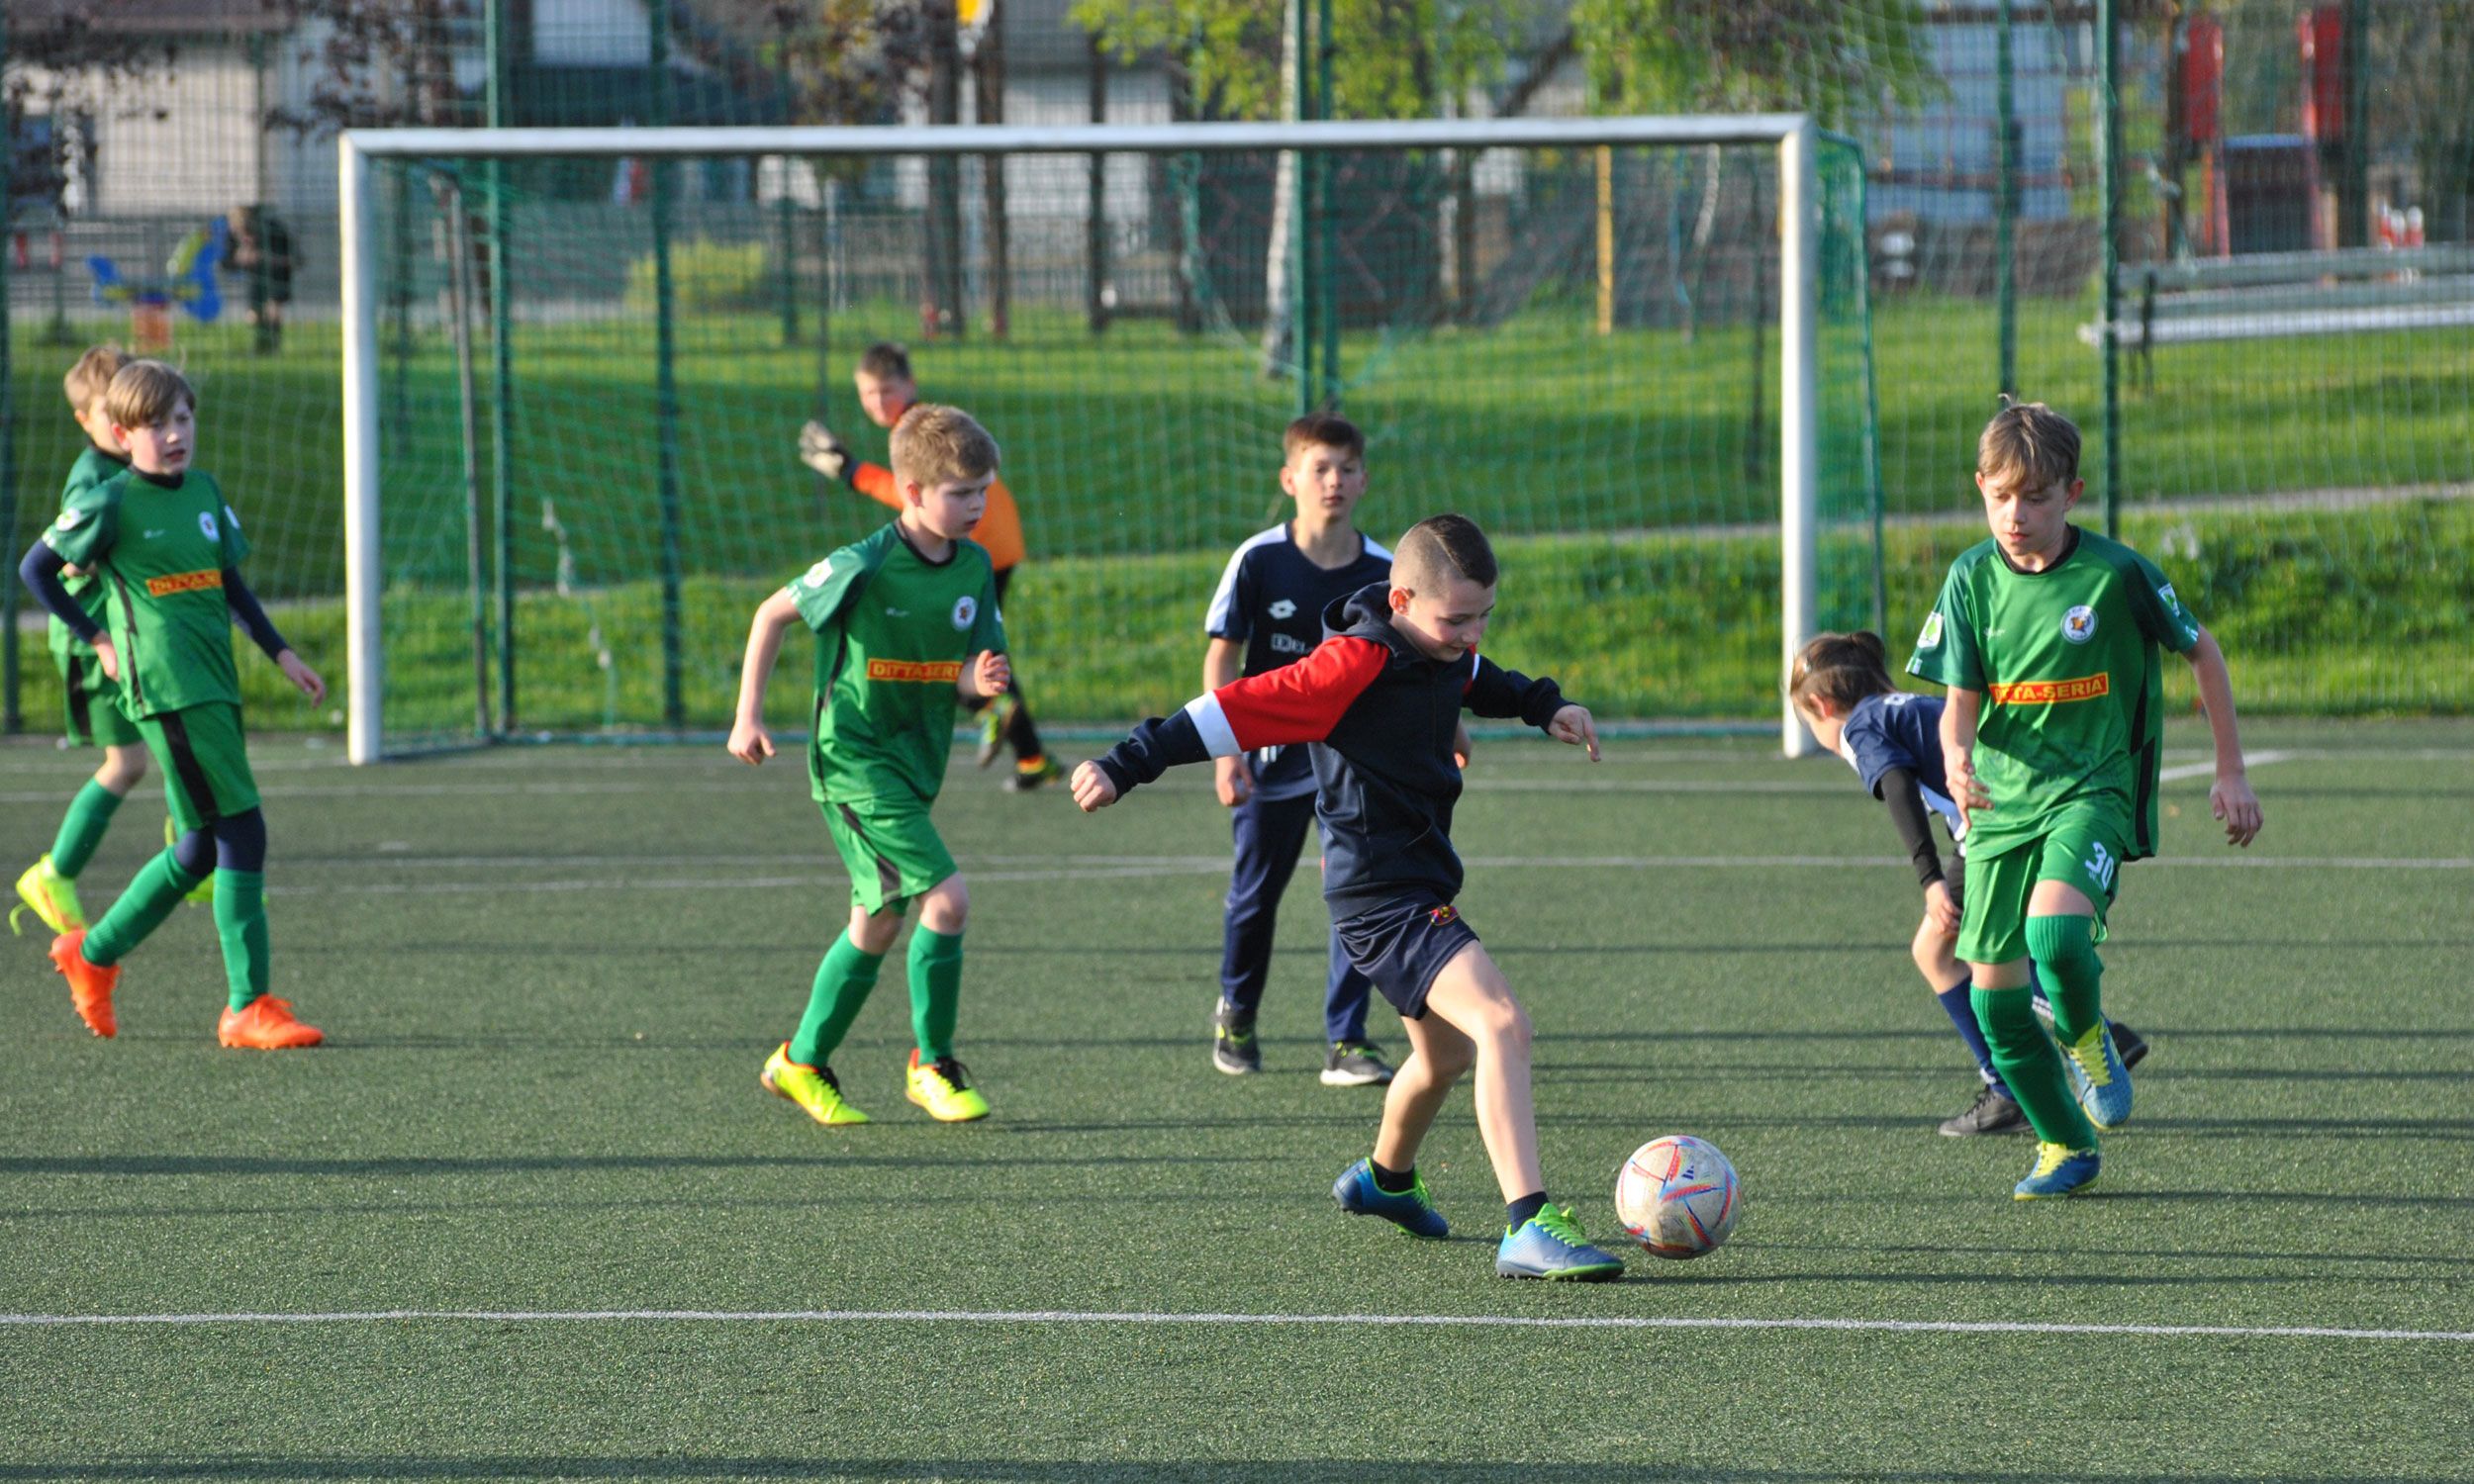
x=1381 y=698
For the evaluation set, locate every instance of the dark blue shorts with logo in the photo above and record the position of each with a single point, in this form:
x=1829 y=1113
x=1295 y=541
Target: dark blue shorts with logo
x=1402 y=945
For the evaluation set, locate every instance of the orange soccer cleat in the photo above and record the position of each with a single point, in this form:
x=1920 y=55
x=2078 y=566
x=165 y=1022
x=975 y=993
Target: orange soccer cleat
x=266 y=1025
x=89 y=987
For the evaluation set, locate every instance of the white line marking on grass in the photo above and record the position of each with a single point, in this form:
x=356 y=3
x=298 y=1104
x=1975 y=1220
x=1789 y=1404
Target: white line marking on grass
x=2181 y=771
x=1076 y=868
x=1079 y=1317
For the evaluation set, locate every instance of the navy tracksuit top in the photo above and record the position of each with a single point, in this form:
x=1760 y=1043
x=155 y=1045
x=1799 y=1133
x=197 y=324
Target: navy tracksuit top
x=1381 y=717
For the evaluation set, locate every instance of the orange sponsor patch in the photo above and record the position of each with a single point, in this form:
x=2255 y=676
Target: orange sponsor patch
x=924 y=671
x=183 y=581
x=2051 y=693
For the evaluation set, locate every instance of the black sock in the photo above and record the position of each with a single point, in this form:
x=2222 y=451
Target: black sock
x=1393 y=1181
x=1527 y=1206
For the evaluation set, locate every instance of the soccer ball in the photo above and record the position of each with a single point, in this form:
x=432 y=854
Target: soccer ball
x=1677 y=1197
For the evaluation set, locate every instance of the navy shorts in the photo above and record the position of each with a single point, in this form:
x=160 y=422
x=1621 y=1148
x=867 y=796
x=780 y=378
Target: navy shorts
x=1402 y=945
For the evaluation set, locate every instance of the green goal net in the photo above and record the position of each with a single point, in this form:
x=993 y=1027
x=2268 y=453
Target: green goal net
x=585 y=372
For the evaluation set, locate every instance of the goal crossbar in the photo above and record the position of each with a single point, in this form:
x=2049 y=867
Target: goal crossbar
x=1795 y=136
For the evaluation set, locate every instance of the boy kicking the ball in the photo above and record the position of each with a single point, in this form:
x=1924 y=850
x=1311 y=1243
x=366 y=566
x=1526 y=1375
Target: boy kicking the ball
x=2047 y=636
x=906 y=625
x=1381 y=698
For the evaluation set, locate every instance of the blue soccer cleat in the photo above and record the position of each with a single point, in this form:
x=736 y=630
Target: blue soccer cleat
x=2059 y=1171
x=1550 y=1244
x=1359 y=1196
x=2098 y=1077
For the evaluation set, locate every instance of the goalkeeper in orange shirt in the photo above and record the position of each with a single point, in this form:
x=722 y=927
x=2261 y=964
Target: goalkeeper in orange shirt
x=887 y=390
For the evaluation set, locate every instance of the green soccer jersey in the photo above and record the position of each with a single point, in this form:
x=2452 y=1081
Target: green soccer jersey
x=159 y=549
x=894 y=631
x=93 y=467
x=2074 y=688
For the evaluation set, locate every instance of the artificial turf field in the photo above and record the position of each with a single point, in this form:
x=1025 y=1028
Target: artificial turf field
x=549 y=977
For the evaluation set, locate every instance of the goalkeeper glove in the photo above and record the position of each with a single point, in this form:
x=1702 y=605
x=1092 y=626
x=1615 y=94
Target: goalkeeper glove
x=822 y=451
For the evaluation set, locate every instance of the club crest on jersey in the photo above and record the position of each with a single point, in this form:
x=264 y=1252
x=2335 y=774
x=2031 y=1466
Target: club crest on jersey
x=70 y=520
x=1443 y=914
x=1284 y=608
x=2079 y=624
x=206 y=524
x=819 y=572
x=966 y=608
x=1931 y=638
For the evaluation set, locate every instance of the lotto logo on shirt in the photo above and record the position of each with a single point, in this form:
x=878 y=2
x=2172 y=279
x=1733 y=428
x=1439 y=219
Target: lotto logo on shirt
x=2053 y=692
x=183 y=581
x=919 y=671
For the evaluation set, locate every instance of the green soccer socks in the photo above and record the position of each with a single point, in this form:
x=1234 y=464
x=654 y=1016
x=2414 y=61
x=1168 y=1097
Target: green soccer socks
x=2026 y=1060
x=843 y=983
x=2064 y=950
x=935 y=963
x=159 y=888
x=240 y=922
x=81 y=829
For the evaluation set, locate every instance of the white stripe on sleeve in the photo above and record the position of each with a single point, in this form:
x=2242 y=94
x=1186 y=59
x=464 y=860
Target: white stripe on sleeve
x=1212 y=723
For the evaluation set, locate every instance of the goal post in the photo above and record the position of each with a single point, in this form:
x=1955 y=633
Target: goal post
x=1479 y=272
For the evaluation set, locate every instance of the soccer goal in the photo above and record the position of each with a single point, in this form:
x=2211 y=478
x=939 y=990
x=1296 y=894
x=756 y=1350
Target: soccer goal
x=576 y=363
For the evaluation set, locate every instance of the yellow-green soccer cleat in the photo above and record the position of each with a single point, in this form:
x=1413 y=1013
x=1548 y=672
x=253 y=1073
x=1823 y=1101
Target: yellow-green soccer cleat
x=2059 y=1171
x=944 y=1088
x=203 y=891
x=814 y=1088
x=51 y=896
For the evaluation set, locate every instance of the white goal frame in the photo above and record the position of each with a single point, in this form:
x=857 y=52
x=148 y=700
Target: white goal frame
x=1795 y=136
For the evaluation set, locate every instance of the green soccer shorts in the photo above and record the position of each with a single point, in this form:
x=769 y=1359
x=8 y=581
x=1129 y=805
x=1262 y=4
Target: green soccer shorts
x=205 y=759
x=2082 y=849
x=893 y=853
x=91 y=700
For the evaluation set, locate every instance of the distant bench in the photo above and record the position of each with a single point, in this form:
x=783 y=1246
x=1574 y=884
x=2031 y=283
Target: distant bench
x=2271 y=295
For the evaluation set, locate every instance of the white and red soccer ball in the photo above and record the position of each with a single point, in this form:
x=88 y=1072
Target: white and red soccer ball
x=1677 y=1197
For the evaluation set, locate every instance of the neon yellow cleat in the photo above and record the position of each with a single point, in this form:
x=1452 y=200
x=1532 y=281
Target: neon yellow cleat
x=814 y=1088
x=52 y=895
x=203 y=891
x=945 y=1089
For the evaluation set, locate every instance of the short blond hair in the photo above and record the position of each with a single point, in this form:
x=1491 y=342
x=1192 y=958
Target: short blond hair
x=2029 y=444
x=92 y=376
x=143 y=393
x=934 y=444
x=1439 y=547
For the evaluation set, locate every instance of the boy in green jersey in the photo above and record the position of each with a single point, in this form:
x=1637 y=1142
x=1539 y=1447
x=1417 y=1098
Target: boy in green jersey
x=906 y=626
x=91 y=698
x=2048 y=636
x=168 y=549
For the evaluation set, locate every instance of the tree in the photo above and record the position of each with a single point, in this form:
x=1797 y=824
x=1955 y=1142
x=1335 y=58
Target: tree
x=1237 y=59
x=1827 y=57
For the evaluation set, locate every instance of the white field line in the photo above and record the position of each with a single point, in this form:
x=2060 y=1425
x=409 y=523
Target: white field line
x=2181 y=771
x=1074 y=868
x=1080 y=1317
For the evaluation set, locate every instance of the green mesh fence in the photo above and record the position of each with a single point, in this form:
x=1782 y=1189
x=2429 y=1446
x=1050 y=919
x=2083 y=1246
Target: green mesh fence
x=2291 y=437
x=1537 y=339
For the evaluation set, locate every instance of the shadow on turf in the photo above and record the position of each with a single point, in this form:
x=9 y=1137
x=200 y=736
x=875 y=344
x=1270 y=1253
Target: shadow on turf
x=1072 y=1471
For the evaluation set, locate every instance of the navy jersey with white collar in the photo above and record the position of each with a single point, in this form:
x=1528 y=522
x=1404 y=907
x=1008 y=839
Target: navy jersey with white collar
x=1270 y=599
x=1900 y=729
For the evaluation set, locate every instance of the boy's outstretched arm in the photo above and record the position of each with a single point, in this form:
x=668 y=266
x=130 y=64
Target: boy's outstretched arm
x=774 y=618
x=1958 y=744
x=2230 y=797
x=1493 y=690
x=1299 y=702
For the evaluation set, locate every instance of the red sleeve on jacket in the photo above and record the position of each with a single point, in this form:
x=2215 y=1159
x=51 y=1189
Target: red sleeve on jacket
x=1299 y=702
